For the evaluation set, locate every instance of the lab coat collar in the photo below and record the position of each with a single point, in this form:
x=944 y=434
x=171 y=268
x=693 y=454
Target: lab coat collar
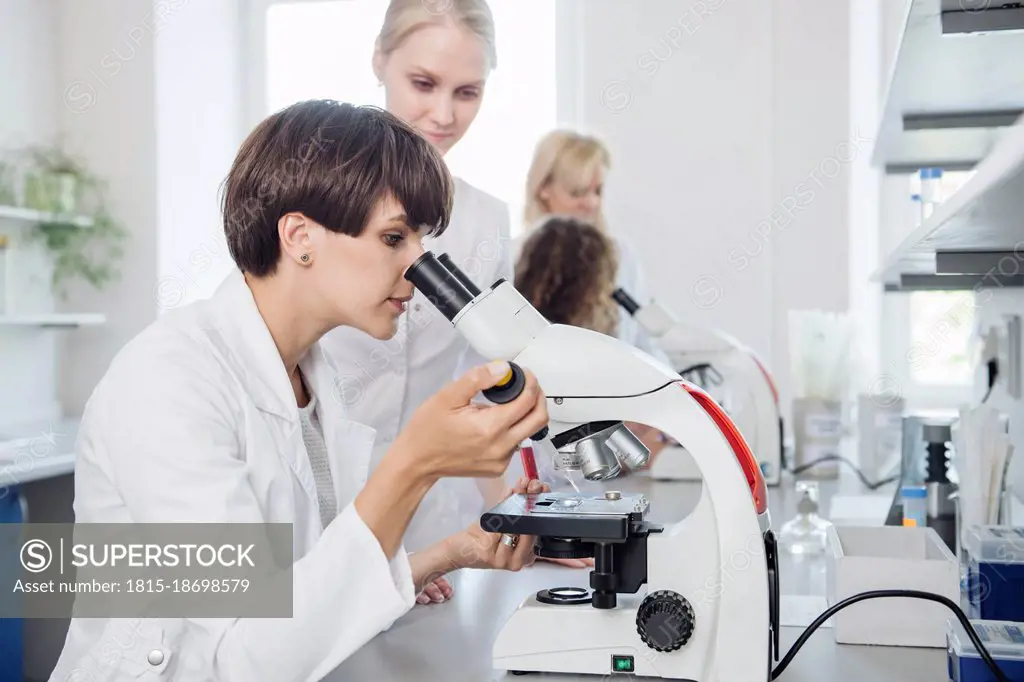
x=249 y=342
x=262 y=372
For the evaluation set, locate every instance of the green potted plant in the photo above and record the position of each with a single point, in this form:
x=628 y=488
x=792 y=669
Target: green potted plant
x=65 y=188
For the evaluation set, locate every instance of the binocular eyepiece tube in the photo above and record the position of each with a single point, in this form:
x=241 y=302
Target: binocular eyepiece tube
x=442 y=283
x=627 y=302
x=450 y=290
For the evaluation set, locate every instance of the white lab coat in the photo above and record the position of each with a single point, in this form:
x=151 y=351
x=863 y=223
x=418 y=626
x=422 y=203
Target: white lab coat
x=196 y=421
x=383 y=382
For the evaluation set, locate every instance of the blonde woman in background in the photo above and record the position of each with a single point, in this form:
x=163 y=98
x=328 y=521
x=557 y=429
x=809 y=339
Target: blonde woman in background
x=434 y=68
x=567 y=177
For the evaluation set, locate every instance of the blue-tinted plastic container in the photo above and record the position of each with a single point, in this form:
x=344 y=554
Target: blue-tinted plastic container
x=915 y=505
x=1004 y=642
x=995 y=572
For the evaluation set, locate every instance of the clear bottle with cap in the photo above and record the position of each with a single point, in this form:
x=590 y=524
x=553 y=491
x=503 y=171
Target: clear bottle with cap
x=806 y=533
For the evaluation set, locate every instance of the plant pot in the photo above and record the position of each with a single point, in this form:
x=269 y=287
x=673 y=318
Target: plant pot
x=55 y=192
x=66 y=192
x=8 y=188
x=36 y=193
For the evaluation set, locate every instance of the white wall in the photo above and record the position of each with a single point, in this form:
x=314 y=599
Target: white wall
x=105 y=74
x=866 y=75
x=727 y=122
x=27 y=117
x=159 y=115
x=199 y=129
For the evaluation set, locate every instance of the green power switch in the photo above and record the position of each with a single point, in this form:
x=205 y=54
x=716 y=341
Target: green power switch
x=622 y=664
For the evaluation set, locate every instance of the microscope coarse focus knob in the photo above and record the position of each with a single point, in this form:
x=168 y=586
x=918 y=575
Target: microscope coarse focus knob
x=508 y=389
x=665 y=620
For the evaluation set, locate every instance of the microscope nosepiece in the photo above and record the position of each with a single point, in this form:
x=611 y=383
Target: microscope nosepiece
x=441 y=286
x=629 y=449
x=597 y=462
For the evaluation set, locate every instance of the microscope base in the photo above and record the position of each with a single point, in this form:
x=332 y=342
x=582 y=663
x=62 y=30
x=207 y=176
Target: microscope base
x=583 y=640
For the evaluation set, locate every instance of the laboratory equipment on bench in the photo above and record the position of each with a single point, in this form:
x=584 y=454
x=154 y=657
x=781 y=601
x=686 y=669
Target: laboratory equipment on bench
x=941 y=503
x=653 y=608
x=739 y=381
x=915 y=505
x=995 y=572
x=1004 y=641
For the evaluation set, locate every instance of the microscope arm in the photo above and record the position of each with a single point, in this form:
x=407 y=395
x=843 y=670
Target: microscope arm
x=587 y=376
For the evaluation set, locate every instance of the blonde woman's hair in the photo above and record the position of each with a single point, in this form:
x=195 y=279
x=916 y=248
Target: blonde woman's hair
x=568 y=159
x=404 y=17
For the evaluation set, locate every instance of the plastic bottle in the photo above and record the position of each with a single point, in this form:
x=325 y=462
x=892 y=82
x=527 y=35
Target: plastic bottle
x=915 y=505
x=806 y=533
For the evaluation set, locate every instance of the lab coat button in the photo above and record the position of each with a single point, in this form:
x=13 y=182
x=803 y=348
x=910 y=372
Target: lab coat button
x=156 y=657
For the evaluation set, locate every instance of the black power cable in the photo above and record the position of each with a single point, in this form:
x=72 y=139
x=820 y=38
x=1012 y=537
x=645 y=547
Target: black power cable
x=880 y=594
x=836 y=458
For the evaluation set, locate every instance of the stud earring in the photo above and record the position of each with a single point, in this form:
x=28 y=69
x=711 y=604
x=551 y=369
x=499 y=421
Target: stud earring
x=304 y=258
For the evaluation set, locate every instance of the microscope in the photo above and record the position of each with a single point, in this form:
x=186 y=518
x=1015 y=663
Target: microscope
x=725 y=368
x=697 y=599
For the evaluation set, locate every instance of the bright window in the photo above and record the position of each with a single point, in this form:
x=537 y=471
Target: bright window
x=324 y=49
x=941 y=323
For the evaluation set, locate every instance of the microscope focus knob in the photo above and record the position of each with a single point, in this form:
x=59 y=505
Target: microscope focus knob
x=665 y=620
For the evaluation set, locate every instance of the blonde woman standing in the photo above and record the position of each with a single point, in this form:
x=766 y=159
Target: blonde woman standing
x=567 y=177
x=434 y=68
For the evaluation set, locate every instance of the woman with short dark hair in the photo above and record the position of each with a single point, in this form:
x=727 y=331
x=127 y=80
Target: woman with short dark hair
x=226 y=410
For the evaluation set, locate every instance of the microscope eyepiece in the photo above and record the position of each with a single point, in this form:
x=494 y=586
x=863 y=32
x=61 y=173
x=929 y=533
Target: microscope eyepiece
x=470 y=285
x=439 y=284
x=626 y=301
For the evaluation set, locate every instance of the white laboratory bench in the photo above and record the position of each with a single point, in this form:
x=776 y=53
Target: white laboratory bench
x=36 y=451
x=451 y=642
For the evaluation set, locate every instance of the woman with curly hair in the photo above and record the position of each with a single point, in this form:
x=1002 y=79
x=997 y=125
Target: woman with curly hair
x=567 y=270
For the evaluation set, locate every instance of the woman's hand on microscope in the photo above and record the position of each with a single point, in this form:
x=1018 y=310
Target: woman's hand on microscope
x=476 y=547
x=451 y=436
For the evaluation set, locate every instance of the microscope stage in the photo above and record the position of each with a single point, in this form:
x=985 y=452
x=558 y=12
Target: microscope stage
x=568 y=515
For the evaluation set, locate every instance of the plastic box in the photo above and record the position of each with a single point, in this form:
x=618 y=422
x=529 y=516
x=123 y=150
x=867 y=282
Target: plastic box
x=995 y=572
x=867 y=558
x=1003 y=640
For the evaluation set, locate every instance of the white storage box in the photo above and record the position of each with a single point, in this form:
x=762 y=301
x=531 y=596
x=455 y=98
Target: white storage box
x=866 y=558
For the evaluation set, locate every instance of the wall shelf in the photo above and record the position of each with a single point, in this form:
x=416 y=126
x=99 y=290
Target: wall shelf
x=952 y=93
x=978 y=231
x=32 y=216
x=52 y=320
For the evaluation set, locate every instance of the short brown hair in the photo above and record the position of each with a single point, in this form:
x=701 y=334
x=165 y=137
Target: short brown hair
x=567 y=270
x=332 y=162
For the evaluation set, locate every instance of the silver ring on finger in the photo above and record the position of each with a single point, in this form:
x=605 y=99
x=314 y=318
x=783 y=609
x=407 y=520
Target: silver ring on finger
x=509 y=540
